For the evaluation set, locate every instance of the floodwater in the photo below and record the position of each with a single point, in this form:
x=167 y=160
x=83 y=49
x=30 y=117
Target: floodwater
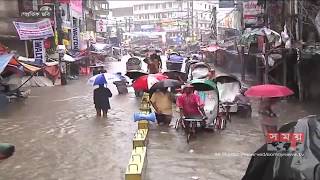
x=58 y=137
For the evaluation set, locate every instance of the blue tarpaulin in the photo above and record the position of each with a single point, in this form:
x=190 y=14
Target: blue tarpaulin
x=4 y=60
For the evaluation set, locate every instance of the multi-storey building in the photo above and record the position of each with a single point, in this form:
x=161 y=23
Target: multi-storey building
x=175 y=17
x=122 y=18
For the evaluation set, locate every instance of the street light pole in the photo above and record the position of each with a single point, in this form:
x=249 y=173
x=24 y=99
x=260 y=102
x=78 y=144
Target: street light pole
x=60 y=42
x=192 y=19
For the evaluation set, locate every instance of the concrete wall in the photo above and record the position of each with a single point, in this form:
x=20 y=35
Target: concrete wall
x=8 y=9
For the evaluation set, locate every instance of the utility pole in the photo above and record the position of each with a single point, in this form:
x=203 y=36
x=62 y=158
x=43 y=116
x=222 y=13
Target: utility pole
x=60 y=42
x=130 y=24
x=126 y=24
x=192 y=19
x=188 y=10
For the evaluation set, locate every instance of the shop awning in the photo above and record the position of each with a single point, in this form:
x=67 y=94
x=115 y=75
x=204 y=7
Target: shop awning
x=30 y=68
x=4 y=61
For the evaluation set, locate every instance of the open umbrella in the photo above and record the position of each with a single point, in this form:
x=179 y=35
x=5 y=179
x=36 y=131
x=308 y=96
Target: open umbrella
x=175 y=59
x=103 y=78
x=134 y=74
x=203 y=85
x=144 y=83
x=176 y=75
x=165 y=84
x=268 y=91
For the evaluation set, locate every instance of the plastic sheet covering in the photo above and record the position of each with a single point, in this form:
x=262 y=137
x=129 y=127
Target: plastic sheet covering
x=228 y=91
x=304 y=167
x=210 y=99
x=200 y=72
x=4 y=60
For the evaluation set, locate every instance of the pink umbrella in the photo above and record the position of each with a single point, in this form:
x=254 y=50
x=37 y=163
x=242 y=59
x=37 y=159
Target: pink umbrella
x=268 y=90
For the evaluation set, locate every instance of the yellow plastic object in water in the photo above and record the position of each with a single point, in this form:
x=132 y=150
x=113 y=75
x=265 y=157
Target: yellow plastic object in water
x=137 y=165
x=140 y=138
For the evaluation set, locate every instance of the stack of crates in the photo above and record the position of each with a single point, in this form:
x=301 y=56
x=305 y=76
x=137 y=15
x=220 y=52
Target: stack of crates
x=136 y=168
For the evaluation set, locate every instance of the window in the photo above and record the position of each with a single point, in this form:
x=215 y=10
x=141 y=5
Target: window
x=104 y=6
x=140 y=7
x=164 y=6
x=170 y=4
x=135 y=8
x=146 y=7
x=205 y=6
x=157 y=6
x=164 y=15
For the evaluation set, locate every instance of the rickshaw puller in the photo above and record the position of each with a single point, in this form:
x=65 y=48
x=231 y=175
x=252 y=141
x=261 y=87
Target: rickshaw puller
x=191 y=106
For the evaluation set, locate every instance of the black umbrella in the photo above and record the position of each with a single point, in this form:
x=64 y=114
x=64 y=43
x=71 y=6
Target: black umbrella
x=176 y=75
x=134 y=74
x=165 y=84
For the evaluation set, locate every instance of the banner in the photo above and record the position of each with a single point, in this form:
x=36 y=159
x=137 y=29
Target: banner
x=75 y=38
x=76 y=5
x=39 y=51
x=250 y=11
x=37 y=30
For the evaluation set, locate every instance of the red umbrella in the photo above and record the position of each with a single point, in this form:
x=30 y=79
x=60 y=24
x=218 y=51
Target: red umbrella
x=268 y=90
x=144 y=83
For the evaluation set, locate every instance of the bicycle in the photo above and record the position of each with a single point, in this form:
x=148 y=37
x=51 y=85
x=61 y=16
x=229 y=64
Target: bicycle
x=223 y=116
x=189 y=125
x=226 y=106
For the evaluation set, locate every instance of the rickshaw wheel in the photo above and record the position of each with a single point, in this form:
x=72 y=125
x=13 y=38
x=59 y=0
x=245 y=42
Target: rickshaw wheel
x=188 y=138
x=178 y=124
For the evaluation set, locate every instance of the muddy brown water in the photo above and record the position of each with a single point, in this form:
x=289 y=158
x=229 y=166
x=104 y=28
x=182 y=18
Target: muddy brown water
x=58 y=137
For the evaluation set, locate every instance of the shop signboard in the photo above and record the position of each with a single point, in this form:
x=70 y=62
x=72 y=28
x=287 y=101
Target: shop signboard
x=75 y=38
x=101 y=25
x=44 y=11
x=251 y=10
x=39 y=51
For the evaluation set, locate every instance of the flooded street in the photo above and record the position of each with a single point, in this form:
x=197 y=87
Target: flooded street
x=57 y=136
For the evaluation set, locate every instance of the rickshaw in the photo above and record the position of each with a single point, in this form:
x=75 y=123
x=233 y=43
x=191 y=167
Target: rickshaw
x=134 y=71
x=188 y=64
x=174 y=62
x=208 y=92
x=229 y=86
x=199 y=70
